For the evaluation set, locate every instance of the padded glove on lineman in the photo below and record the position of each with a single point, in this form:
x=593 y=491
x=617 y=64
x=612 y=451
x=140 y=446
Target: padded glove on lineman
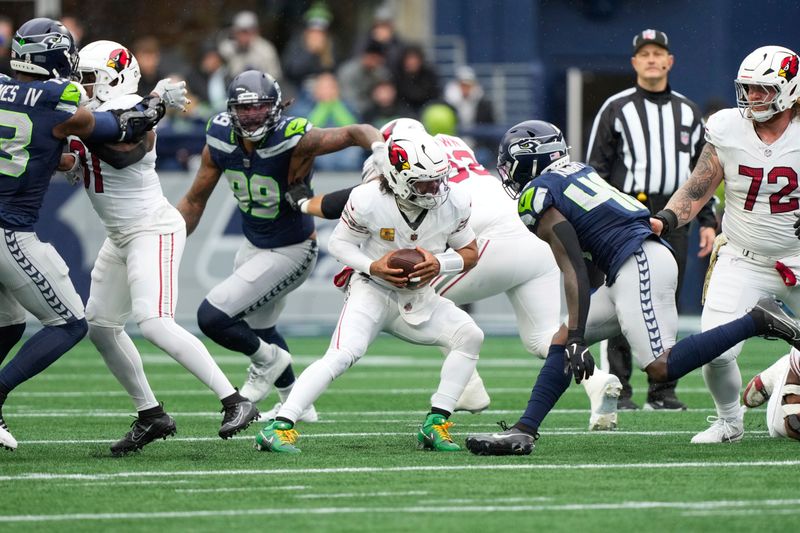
x=75 y=174
x=133 y=124
x=173 y=93
x=578 y=359
x=297 y=195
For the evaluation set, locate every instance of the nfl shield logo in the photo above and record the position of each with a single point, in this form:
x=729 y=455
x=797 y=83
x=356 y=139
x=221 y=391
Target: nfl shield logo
x=685 y=138
x=649 y=35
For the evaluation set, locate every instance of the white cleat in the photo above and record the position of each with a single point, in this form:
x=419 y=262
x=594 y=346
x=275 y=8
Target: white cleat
x=7 y=440
x=262 y=375
x=721 y=430
x=761 y=386
x=603 y=390
x=309 y=415
x=474 y=398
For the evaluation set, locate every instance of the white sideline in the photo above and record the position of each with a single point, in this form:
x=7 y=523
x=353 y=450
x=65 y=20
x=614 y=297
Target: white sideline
x=631 y=505
x=38 y=476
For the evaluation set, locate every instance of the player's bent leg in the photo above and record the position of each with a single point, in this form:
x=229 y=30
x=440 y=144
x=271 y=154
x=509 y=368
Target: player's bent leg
x=474 y=399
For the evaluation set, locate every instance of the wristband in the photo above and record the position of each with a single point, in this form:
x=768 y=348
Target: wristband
x=302 y=204
x=669 y=220
x=450 y=262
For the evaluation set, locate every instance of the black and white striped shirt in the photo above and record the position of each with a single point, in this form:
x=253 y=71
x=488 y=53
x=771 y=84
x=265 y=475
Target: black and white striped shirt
x=648 y=142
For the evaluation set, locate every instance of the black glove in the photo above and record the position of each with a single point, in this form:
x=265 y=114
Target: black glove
x=797 y=224
x=578 y=359
x=297 y=195
x=133 y=124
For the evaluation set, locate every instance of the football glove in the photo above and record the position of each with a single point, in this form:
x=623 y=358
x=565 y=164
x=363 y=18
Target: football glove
x=74 y=175
x=173 y=93
x=578 y=360
x=133 y=124
x=297 y=195
x=797 y=224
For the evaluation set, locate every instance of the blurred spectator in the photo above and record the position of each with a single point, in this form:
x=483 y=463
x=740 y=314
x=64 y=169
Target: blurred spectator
x=247 y=50
x=147 y=52
x=468 y=99
x=385 y=105
x=416 y=80
x=75 y=27
x=213 y=78
x=310 y=52
x=6 y=33
x=359 y=75
x=326 y=109
x=383 y=31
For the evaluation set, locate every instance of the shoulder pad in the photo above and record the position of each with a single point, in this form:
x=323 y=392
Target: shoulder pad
x=292 y=126
x=721 y=125
x=219 y=133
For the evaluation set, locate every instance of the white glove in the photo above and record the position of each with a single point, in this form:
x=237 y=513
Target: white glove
x=75 y=174
x=173 y=93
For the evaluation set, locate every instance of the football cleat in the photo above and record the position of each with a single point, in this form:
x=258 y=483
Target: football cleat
x=144 y=431
x=760 y=388
x=510 y=441
x=626 y=404
x=261 y=375
x=277 y=436
x=7 y=440
x=236 y=418
x=603 y=390
x=664 y=401
x=434 y=434
x=779 y=324
x=721 y=430
x=474 y=399
x=309 y=415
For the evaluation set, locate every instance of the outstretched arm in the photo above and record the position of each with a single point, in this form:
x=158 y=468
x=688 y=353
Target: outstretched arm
x=194 y=202
x=320 y=141
x=693 y=195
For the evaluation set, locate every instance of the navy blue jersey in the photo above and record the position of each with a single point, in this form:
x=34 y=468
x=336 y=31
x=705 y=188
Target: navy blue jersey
x=260 y=179
x=29 y=153
x=610 y=225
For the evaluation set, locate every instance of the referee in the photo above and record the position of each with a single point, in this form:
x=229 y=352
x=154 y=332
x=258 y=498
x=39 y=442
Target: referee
x=645 y=141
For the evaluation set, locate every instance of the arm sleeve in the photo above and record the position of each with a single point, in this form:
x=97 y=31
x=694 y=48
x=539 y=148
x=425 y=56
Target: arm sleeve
x=106 y=128
x=602 y=149
x=119 y=159
x=333 y=203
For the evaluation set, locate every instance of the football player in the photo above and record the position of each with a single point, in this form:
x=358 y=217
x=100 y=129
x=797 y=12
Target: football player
x=576 y=212
x=136 y=271
x=38 y=110
x=261 y=152
x=780 y=386
x=513 y=261
x=410 y=206
x=754 y=151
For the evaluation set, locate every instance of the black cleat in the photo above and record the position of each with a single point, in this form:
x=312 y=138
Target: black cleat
x=779 y=325
x=237 y=417
x=144 y=431
x=664 y=401
x=626 y=404
x=510 y=441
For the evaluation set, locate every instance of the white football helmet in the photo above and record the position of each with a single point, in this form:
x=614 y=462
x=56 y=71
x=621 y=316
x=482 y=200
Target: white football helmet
x=401 y=126
x=418 y=169
x=773 y=72
x=115 y=70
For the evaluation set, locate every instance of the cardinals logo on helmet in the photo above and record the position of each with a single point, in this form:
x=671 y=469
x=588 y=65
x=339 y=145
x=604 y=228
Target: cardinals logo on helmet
x=398 y=157
x=789 y=68
x=119 y=59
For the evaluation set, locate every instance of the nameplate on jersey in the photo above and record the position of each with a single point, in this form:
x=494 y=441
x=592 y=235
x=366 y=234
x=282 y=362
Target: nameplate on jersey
x=387 y=234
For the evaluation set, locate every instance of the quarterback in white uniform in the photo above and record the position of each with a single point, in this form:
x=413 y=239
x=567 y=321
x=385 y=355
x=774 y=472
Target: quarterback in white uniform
x=411 y=206
x=136 y=271
x=755 y=149
x=512 y=261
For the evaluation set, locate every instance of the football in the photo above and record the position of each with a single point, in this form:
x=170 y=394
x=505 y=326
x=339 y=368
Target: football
x=407 y=259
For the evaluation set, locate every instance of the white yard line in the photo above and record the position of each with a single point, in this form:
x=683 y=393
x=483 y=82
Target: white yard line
x=418 y=509
x=517 y=466
x=246 y=489
x=361 y=494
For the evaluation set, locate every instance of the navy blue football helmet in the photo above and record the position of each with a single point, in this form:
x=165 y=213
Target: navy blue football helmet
x=44 y=47
x=527 y=150
x=254 y=104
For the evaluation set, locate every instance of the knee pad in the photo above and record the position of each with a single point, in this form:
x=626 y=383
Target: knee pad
x=211 y=319
x=727 y=358
x=538 y=345
x=468 y=339
x=99 y=335
x=338 y=362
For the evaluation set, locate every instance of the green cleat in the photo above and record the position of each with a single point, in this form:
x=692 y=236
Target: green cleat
x=277 y=436
x=435 y=435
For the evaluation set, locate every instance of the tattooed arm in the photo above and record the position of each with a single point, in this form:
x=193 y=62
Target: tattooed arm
x=320 y=141
x=687 y=201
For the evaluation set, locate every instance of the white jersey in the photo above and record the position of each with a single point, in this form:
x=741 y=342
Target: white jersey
x=129 y=200
x=761 y=184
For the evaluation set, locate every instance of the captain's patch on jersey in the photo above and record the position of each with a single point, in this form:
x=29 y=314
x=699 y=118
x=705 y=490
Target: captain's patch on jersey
x=387 y=234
